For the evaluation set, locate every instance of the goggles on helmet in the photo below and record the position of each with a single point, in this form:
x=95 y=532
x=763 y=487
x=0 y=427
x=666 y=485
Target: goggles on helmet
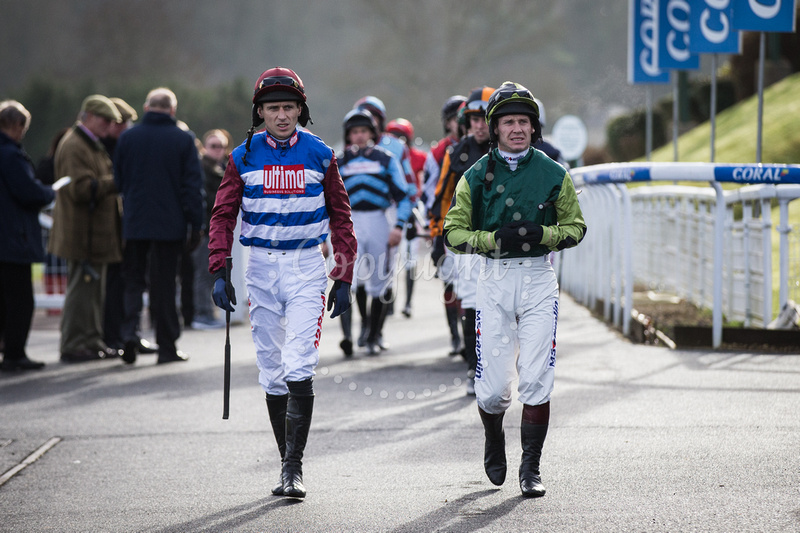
x=477 y=101
x=477 y=105
x=279 y=80
x=278 y=83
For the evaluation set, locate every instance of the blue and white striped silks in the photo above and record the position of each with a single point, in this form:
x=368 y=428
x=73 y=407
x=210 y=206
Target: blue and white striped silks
x=283 y=205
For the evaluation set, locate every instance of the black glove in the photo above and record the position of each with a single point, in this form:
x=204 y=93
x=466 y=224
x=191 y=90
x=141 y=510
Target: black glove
x=339 y=298
x=437 y=252
x=224 y=295
x=519 y=236
x=193 y=240
x=411 y=231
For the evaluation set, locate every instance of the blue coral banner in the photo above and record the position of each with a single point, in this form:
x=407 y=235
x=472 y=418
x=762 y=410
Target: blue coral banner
x=753 y=173
x=711 y=28
x=643 y=43
x=764 y=15
x=673 y=36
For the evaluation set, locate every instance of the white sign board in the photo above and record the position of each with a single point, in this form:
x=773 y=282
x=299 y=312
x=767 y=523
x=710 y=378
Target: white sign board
x=570 y=136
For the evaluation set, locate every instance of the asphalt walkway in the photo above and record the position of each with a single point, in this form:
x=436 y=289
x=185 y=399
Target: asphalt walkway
x=641 y=439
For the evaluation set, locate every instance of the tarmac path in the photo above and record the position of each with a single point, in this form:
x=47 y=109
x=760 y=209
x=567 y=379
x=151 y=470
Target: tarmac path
x=641 y=439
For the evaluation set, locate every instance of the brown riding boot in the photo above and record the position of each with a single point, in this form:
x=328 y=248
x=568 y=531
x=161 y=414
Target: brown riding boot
x=533 y=430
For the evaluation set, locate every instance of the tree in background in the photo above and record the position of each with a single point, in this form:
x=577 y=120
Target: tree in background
x=53 y=105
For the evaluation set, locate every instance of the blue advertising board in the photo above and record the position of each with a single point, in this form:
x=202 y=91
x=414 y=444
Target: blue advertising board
x=764 y=15
x=777 y=174
x=711 y=30
x=673 y=36
x=643 y=43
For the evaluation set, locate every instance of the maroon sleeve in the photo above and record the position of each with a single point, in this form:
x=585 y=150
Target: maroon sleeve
x=223 y=217
x=343 y=238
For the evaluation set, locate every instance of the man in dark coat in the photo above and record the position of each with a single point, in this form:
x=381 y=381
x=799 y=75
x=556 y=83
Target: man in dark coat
x=157 y=170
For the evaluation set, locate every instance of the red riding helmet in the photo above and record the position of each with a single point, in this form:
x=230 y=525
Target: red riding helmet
x=280 y=84
x=401 y=127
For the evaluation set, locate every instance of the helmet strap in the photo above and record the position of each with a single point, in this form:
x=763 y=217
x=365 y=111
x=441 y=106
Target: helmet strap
x=250 y=133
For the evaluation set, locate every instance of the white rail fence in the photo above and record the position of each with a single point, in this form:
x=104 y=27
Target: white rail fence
x=50 y=282
x=708 y=246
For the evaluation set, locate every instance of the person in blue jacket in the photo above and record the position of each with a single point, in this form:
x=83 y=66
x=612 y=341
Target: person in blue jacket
x=21 y=198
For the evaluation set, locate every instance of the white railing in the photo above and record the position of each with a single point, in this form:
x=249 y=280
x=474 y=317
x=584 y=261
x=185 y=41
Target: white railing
x=710 y=247
x=50 y=284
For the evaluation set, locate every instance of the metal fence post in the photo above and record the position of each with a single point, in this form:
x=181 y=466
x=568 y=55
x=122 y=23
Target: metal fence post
x=766 y=246
x=719 y=229
x=627 y=256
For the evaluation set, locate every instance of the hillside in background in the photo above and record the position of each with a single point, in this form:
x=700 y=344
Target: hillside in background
x=736 y=131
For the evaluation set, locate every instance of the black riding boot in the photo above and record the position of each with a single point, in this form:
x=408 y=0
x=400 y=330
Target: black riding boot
x=377 y=313
x=410 y=276
x=361 y=302
x=532 y=436
x=347 y=330
x=452 y=312
x=494 y=454
x=276 y=406
x=298 y=422
x=388 y=306
x=470 y=355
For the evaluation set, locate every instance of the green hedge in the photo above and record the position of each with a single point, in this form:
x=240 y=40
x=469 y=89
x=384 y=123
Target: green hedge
x=626 y=135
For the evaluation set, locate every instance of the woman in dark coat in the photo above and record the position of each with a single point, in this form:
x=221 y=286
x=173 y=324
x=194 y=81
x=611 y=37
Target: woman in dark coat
x=21 y=198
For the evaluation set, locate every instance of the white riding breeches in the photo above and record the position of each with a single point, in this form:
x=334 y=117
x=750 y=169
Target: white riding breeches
x=468 y=267
x=375 y=260
x=447 y=269
x=286 y=292
x=517 y=312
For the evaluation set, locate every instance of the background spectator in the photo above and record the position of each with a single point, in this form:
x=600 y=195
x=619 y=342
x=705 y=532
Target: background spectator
x=86 y=228
x=21 y=198
x=157 y=169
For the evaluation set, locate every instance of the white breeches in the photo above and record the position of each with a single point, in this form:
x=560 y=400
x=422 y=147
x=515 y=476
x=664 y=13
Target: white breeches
x=287 y=301
x=515 y=322
x=374 y=267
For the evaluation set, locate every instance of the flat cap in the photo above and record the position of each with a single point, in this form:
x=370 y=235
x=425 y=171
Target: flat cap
x=127 y=112
x=101 y=106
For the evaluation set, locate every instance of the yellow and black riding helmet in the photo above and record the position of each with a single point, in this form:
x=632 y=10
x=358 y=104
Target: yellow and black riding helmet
x=512 y=99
